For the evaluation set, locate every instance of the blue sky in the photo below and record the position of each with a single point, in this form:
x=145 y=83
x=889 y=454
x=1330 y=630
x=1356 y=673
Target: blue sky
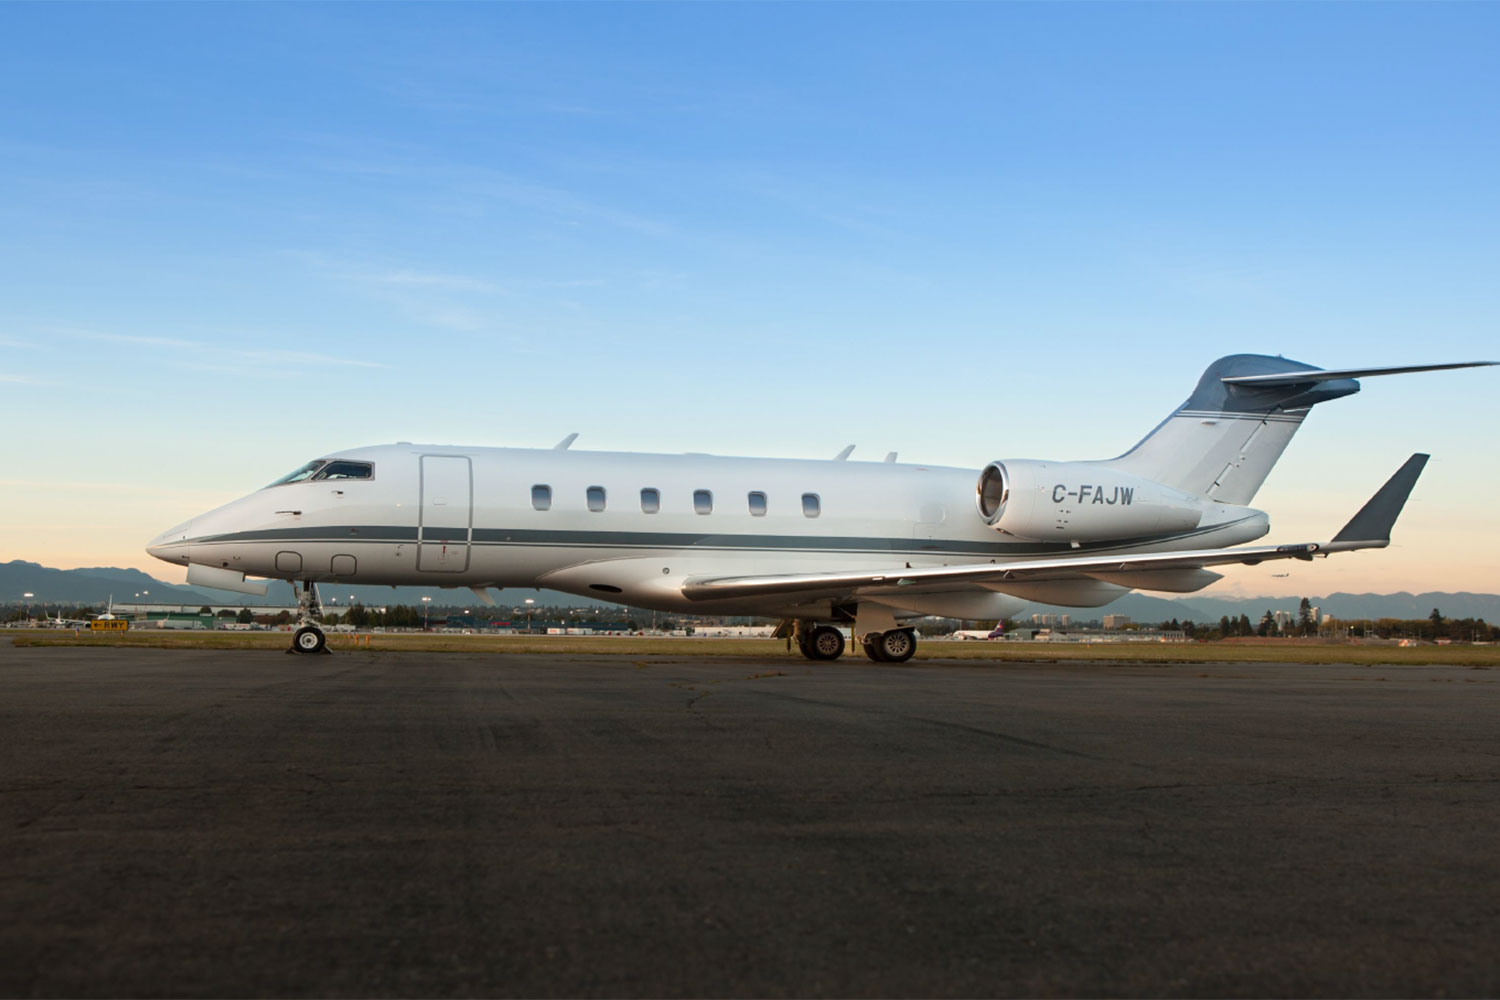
x=233 y=237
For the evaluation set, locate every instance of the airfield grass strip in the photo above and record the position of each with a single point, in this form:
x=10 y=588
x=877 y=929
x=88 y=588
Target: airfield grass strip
x=1196 y=652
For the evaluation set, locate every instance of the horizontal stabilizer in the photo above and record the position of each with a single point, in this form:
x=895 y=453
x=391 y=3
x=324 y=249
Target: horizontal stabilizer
x=1330 y=374
x=1372 y=525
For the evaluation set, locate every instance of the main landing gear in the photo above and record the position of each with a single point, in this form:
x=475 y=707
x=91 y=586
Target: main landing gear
x=896 y=645
x=824 y=642
x=308 y=638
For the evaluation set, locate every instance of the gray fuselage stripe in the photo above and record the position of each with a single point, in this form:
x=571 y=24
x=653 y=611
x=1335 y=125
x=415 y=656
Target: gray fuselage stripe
x=364 y=534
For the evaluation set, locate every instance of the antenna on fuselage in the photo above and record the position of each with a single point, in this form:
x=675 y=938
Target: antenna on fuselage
x=565 y=442
x=843 y=456
x=890 y=456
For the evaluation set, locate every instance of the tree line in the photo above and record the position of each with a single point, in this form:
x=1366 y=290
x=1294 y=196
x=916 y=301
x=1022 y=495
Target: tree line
x=1433 y=628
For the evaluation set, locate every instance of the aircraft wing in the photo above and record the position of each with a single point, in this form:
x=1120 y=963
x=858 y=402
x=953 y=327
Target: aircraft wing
x=1370 y=528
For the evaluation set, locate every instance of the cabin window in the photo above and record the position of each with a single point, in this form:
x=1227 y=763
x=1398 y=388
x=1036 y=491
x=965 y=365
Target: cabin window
x=595 y=496
x=541 y=497
x=757 y=503
x=304 y=473
x=703 y=501
x=811 y=506
x=346 y=470
x=650 y=500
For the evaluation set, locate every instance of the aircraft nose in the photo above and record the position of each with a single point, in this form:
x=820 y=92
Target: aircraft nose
x=171 y=545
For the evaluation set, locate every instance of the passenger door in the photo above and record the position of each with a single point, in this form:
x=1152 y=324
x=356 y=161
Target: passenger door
x=447 y=508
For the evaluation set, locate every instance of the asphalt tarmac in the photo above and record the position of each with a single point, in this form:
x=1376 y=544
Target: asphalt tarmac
x=199 y=823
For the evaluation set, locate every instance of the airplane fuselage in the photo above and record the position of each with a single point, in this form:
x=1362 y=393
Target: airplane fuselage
x=632 y=527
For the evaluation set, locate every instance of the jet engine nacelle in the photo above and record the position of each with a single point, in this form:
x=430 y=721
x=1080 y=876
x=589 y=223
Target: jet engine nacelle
x=1080 y=501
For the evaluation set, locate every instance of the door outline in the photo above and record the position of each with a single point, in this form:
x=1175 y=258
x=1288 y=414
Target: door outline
x=438 y=556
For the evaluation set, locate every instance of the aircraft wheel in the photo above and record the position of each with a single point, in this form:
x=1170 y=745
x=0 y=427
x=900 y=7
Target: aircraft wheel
x=897 y=645
x=872 y=649
x=825 y=643
x=309 y=639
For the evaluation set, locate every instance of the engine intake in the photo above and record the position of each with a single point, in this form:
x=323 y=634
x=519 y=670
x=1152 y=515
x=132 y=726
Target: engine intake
x=1080 y=501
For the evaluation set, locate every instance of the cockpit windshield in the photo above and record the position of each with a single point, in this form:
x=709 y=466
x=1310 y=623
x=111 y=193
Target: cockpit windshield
x=302 y=474
x=339 y=469
x=323 y=468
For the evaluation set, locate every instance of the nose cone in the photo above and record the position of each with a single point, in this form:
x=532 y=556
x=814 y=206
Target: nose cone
x=172 y=545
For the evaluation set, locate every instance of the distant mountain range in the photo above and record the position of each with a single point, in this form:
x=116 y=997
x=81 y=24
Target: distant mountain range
x=98 y=584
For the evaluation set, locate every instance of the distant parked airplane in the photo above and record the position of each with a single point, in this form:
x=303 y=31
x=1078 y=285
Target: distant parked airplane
x=60 y=622
x=819 y=544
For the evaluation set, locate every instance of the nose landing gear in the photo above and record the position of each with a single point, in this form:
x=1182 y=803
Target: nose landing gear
x=308 y=638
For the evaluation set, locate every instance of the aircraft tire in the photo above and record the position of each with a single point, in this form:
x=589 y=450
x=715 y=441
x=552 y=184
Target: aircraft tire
x=309 y=639
x=872 y=649
x=898 y=645
x=825 y=643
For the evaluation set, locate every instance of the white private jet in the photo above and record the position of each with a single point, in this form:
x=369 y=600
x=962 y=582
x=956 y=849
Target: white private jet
x=819 y=544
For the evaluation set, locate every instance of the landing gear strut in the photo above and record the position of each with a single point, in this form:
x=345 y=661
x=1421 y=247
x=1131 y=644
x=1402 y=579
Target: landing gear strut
x=308 y=638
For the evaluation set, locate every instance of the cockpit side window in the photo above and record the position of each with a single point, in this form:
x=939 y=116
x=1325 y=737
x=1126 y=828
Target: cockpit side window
x=340 y=469
x=306 y=472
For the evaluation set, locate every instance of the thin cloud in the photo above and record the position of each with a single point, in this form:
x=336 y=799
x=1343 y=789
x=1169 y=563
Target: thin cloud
x=433 y=298
x=305 y=358
x=496 y=186
x=81 y=486
x=124 y=338
x=217 y=351
x=428 y=279
x=237 y=370
x=396 y=277
x=20 y=380
x=451 y=317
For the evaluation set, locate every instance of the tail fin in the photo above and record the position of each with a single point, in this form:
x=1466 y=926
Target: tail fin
x=1224 y=440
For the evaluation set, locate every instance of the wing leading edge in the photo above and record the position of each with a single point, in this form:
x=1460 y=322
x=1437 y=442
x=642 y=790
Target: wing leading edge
x=1370 y=528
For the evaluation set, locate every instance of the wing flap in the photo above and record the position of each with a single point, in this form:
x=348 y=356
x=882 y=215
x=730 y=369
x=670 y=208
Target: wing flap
x=1030 y=570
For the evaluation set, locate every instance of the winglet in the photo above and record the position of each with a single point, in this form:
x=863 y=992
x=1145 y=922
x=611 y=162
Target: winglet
x=1371 y=527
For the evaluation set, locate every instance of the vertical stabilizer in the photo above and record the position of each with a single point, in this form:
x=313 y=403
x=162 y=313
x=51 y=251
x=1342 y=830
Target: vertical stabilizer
x=1222 y=442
